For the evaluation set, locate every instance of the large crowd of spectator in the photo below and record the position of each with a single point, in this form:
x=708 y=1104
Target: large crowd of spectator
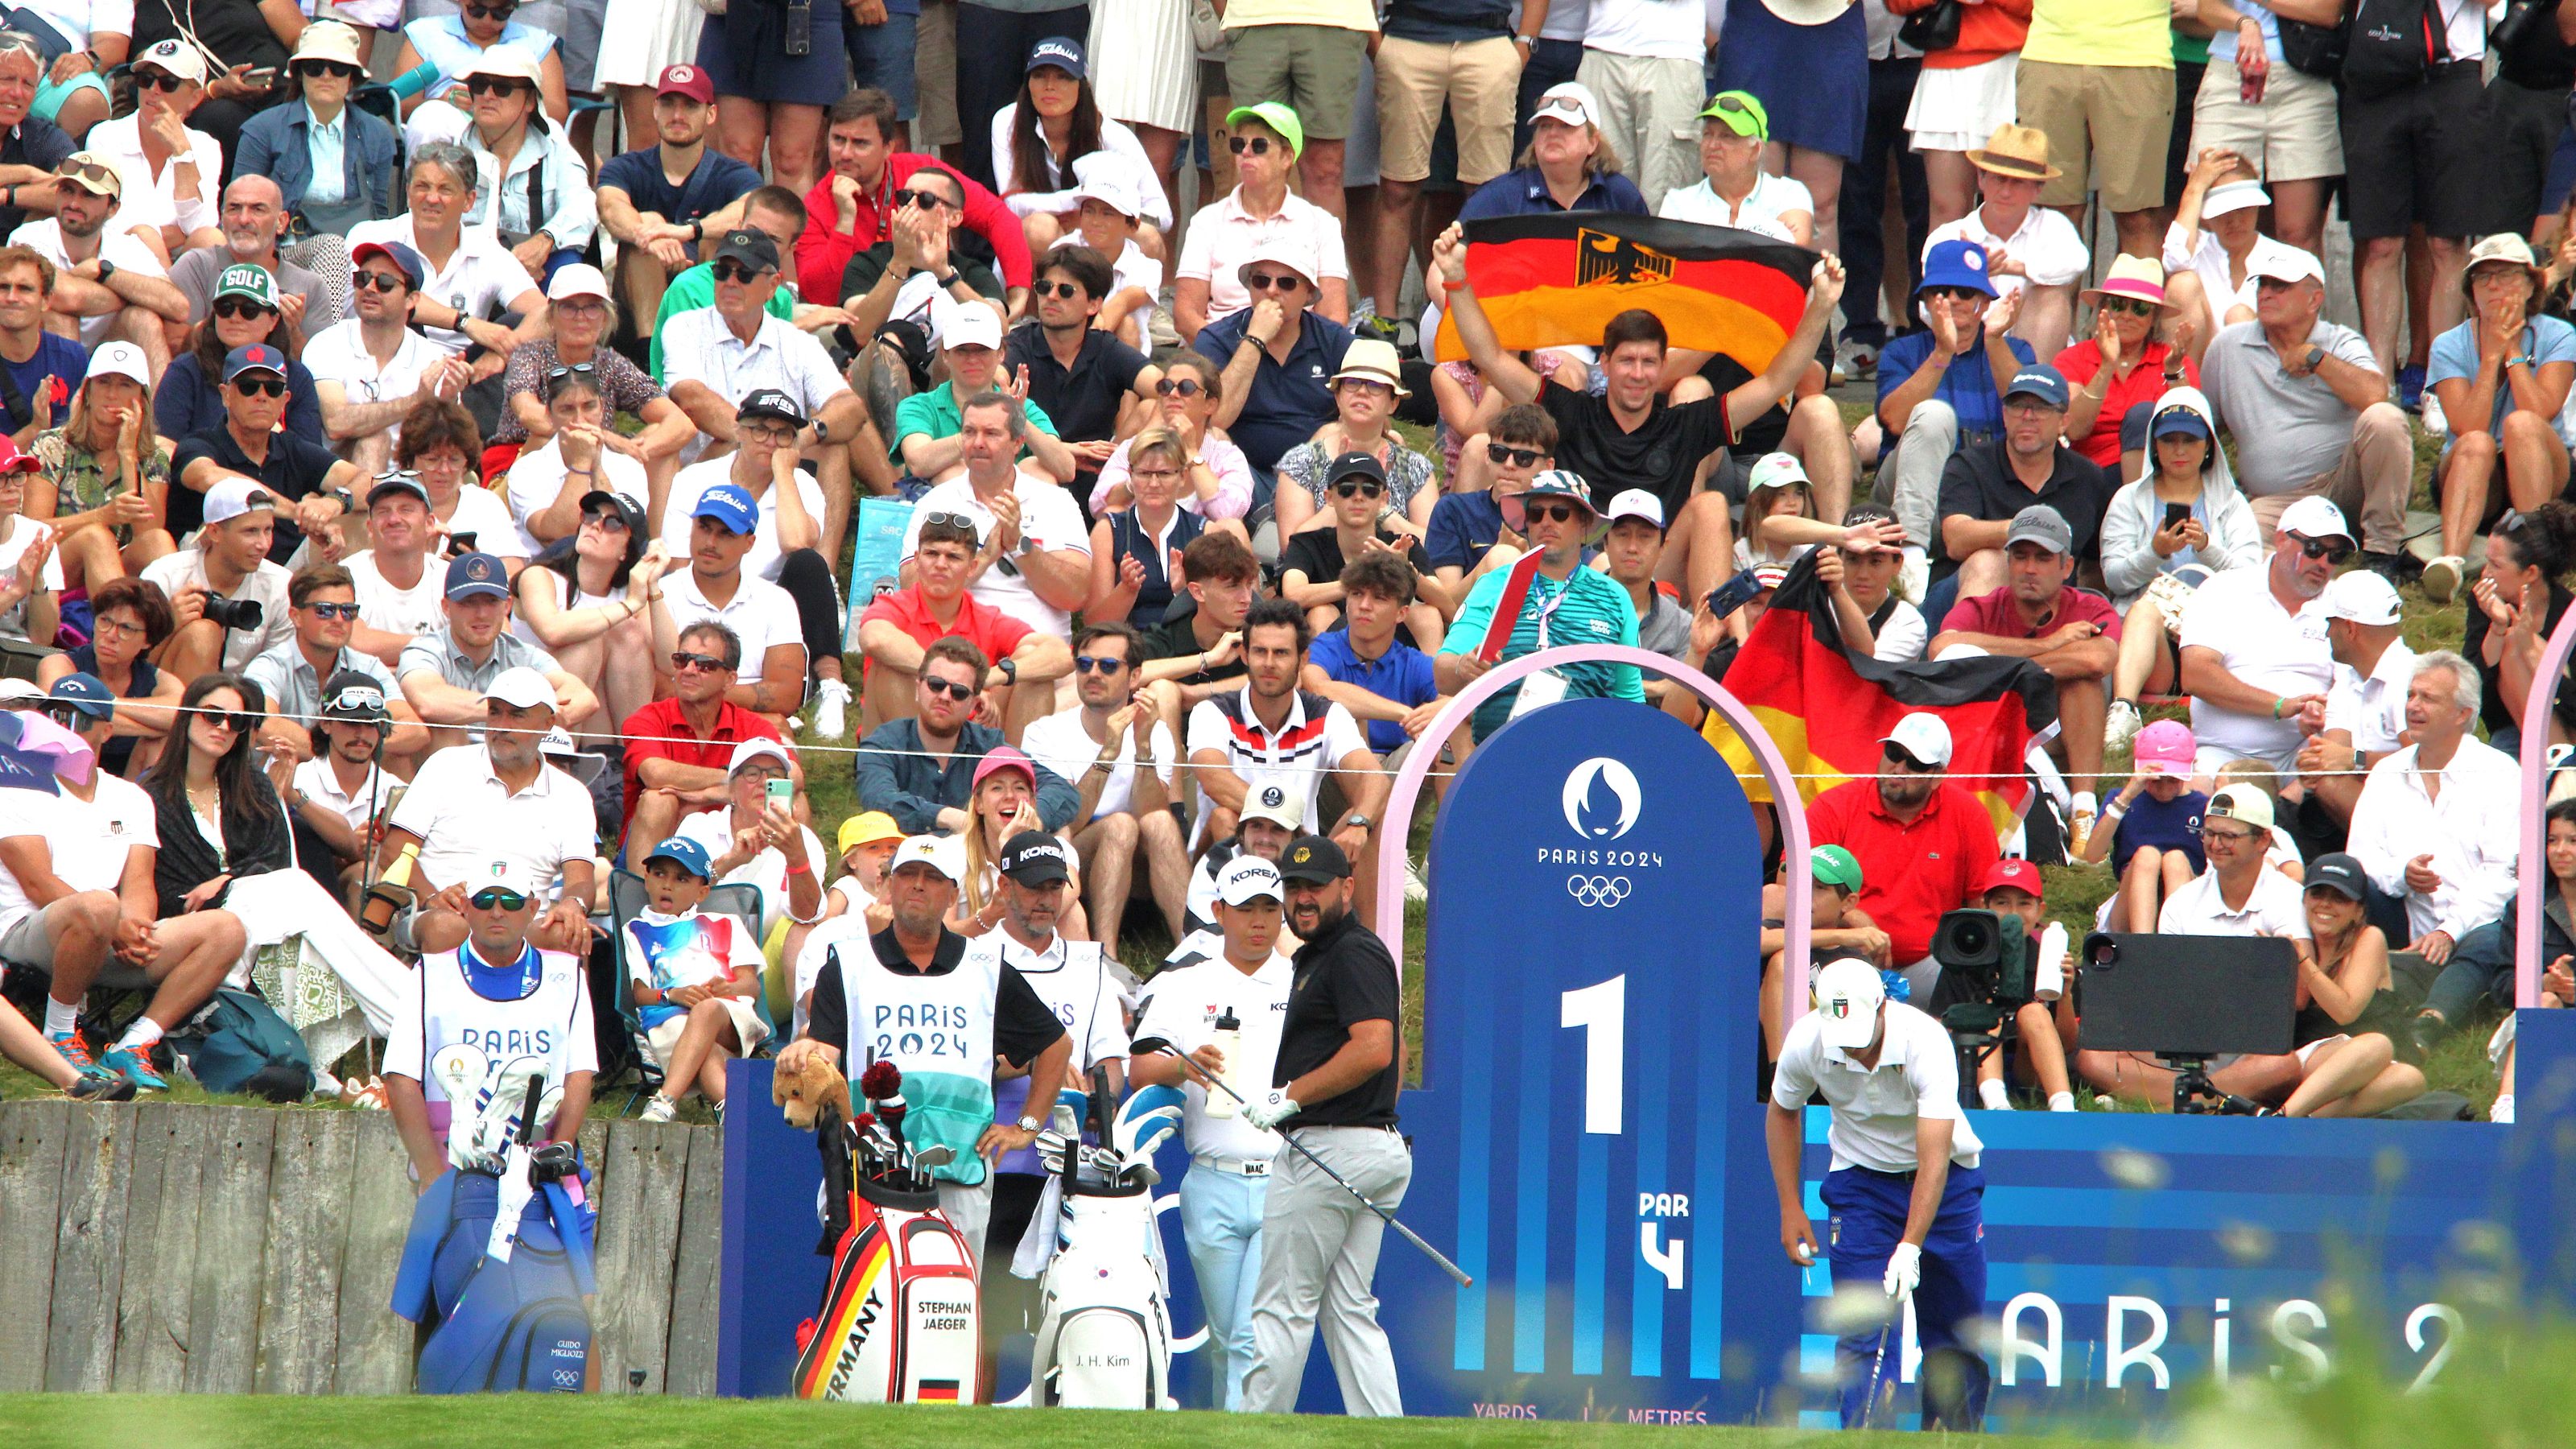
x=451 y=436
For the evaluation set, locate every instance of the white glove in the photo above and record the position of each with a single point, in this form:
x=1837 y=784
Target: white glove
x=1271 y=1109
x=1904 y=1270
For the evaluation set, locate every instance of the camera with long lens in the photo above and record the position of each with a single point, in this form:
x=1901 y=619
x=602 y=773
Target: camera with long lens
x=1990 y=955
x=243 y=614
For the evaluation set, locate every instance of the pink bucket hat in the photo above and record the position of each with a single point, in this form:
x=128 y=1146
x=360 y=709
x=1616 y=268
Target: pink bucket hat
x=2142 y=278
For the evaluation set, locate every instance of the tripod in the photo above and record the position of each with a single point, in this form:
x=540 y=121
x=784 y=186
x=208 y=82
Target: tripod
x=2194 y=1092
x=1977 y=1030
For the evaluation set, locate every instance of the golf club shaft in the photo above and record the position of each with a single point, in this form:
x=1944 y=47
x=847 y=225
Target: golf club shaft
x=1410 y=1236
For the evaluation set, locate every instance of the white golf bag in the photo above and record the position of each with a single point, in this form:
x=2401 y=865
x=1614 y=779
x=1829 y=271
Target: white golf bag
x=1105 y=1338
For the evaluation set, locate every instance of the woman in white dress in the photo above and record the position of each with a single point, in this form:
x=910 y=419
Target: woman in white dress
x=1151 y=81
x=1054 y=137
x=637 y=41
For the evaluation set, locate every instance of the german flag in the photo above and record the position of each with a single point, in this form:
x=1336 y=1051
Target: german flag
x=1557 y=280
x=1827 y=708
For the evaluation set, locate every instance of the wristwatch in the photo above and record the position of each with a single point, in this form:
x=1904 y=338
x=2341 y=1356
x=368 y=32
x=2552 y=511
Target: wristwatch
x=2316 y=357
x=1027 y=1124
x=951 y=280
x=1362 y=821
x=822 y=431
x=106 y=269
x=1010 y=669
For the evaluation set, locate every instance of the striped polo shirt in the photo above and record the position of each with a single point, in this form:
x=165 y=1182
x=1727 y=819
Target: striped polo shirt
x=1291 y=761
x=1594 y=610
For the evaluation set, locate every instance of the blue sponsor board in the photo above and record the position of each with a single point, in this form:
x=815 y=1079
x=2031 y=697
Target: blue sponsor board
x=1588 y=1146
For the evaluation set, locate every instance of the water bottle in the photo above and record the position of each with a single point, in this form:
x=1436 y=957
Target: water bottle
x=2048 y=975
x=1229 y=1040
x=391 y=892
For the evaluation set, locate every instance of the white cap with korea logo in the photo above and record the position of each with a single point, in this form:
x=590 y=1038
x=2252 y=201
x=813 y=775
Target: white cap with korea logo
x=1848 y=993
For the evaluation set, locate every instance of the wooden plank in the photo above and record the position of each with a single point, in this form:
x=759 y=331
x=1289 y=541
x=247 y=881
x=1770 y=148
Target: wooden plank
x=89 y=1249
x=158 y=1276
x=33 y=1136
x=690 y=1366
x=309 y=1192
x=232 y=1247
x=375 y=1347
x=639 y=1233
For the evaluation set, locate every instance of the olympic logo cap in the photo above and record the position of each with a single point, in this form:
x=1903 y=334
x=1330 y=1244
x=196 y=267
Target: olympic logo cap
x=173 y=57
x=1275 y=804
x=479 y=576
x=1249 y=878
x=1848 y=994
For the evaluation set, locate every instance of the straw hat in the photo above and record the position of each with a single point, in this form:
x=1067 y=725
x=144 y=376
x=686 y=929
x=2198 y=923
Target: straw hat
x=2020 y=152
x=2142 y=278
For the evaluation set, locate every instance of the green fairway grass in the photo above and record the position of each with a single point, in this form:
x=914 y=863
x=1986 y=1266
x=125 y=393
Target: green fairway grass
x=547 y=1421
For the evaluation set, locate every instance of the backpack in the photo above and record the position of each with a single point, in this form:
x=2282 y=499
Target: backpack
x=901 y=1317
x=520 y=1324
x=2391 y=45
x=1104 y=1339
x=238 y=1043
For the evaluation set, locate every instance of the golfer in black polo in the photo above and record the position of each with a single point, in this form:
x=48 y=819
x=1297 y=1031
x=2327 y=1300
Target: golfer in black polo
x=1333 y=1090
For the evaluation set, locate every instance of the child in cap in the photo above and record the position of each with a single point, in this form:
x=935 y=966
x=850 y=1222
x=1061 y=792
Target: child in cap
x=2154 y=842
x=2012 y=889
x=1108 y=224
x=867 y=842
x=1834 y=925
x=1777 y=487
x=692 y=977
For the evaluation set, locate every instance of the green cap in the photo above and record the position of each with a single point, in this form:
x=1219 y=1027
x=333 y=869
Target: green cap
x=1277 y=116
x=1832 y=865
x=1739 y=112
x=248 y=279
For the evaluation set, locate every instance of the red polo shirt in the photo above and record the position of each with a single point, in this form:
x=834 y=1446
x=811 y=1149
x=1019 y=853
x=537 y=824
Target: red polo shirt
x=660 y=731
x=1910 y=873
x=1996 y=614
x=823 y=254
x=978 y=623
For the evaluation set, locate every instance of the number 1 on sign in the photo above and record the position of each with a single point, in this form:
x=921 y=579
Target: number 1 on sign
x=1602 y=1011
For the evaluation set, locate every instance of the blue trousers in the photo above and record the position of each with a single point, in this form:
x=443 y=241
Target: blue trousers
x=1868 y=1221
x=1221 y=1222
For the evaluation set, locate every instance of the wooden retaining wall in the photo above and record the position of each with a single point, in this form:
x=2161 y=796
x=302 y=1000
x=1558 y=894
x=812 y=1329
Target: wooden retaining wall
x=157 y=1248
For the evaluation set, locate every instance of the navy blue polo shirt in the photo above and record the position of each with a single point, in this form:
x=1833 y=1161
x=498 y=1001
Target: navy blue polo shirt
x=1289 y=400
x=2165 y=824
x=55 y=356
x=1448 y=22
x=1968 y=386
x=1463 y=527
x=1524 y=193
x=1403 y=674
x=712 y=187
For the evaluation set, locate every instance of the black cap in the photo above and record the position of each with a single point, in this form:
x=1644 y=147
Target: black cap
x=350 y=695
x=752 y=248
x=769 y=402
x=1034 y=857
x=2341 y=874
x=601 y=500
x=1313 y=859
x=1355 y=465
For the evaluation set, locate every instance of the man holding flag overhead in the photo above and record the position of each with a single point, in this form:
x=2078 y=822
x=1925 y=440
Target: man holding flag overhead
x=1553 y=280
x=1544 y=599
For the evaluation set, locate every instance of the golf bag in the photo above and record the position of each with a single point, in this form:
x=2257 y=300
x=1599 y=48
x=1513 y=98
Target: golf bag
x=519 y=1324
x=900 y=1321
x=1105 y=1338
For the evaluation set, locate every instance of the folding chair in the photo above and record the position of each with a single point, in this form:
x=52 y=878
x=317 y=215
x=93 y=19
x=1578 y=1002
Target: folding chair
x=627 y=898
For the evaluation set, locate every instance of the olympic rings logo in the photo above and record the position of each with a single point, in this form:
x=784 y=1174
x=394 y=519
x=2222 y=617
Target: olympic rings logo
x=1597 y=890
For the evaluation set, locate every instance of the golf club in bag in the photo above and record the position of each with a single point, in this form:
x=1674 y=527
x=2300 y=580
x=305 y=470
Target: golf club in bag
x=1145 y=1045
x=1104 y=1340
x=901 y=1319
x=519 y=1321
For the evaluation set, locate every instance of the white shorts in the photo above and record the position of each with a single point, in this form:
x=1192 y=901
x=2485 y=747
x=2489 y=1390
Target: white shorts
x=1957 y=108
x=662 y=1040
x=2312 y=1048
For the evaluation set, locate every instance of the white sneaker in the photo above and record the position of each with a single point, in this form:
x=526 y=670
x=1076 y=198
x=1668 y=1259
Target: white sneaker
x=2442 y=577
x=2430 y=415
x=831 y=702
x=2120 y=726
x=660 y=1109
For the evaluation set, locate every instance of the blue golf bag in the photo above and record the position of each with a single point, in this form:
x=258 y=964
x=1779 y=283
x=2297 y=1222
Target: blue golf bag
x=500 y=1326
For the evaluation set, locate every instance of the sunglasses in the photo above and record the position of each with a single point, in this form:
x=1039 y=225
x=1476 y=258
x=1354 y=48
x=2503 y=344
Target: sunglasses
x=380 y=281
x=2130 y=306
x=608 y=520
x=1955 y=294
x=1553 y=512
x=730 y=270
x=1257 y=145
x=334 y=611
x=358 y=697
x=560 y=371
x=491 y=12
x=161 y=81
x=1266 y=282
x=1904 y=761
x=1094 y=664
x=237 y=723
x=496 y=85
x=950 y=688
x=1179 y=387
x=1066 y=290
x=336 y=70
x=1517 y=457
x=2333 y=551
x=271 y=386
x=919 y=198
x=239 y=308
x=682 y=661
x=1358 y=488
x=495 y=897
x=90 y=171
x=952 y=520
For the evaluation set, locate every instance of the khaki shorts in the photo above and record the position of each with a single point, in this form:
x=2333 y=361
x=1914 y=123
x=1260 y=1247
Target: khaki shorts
x=1479 y=80
x=934 y=73
x=2111 y=123
x=1314 y=68
x=2294 y=135
x=662 y=1040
